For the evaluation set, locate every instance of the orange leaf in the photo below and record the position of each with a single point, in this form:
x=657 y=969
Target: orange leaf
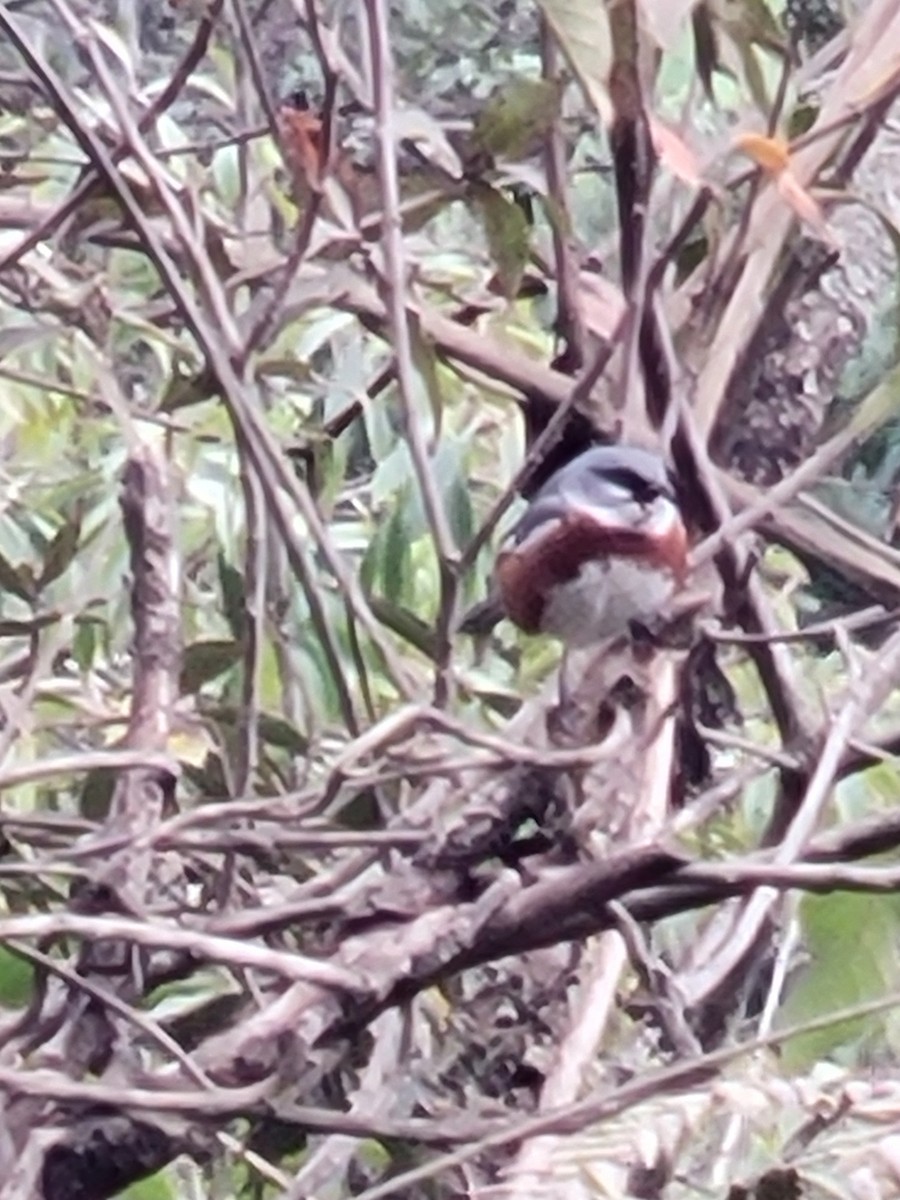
x=772 y=154
x=301 y=144
x=602 y=304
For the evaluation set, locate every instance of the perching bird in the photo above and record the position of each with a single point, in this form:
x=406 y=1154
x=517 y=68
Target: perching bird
x=601 y=545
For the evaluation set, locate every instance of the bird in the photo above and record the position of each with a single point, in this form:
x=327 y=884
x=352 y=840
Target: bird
x=601 y=546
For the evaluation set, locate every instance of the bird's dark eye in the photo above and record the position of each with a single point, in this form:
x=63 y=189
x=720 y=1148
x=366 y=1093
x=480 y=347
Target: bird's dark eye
x=644 y=490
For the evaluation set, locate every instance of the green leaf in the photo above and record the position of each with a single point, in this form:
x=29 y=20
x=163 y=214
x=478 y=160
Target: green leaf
x=281 y=734
x=155 y=1187
x=508 y=233
x=747 y=27
x=16 y=580
x=184 y=391
x=210 y=779
x=84 y=643
x=231 y=581
x=754 y=20
x=61 y=551
x=361 y=811
x=30 y=626
x=515 y=119
x=460 y=513
x=451 y=467
x=205 y=661
x=96 y=794
x=317 y=674
x=851 y=940
x=16 y=979
x=426 y=363
x=396 y=560
x=753 y=74
x=802 y=119
x=273 y=730
x=370 y=567
x=405 y=624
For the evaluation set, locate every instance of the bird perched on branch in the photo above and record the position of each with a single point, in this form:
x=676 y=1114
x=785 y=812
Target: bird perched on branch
x=601 y=545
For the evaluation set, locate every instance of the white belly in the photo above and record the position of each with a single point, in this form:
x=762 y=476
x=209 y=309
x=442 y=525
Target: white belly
x=603 y=598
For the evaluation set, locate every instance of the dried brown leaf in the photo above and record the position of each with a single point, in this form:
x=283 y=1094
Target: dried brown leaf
x=582 y=30
x=675 y=154
x=805 y=206
x=302 y=145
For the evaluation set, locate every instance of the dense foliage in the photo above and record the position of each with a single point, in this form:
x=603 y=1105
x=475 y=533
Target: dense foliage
x=305 y=892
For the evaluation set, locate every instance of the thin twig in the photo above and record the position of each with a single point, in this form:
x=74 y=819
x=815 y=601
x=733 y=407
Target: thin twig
x=230 y=952
x=394 y=282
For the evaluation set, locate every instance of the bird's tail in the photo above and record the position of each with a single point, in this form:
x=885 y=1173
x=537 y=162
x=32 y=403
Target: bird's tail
x=481 y=618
